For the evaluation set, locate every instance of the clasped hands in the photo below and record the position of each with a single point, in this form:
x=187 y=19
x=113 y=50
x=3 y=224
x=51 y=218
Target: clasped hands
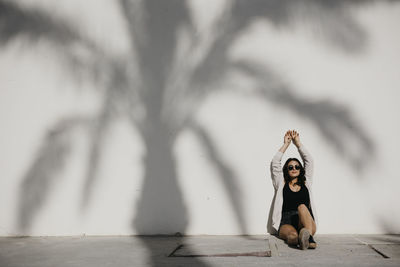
x=292 y=135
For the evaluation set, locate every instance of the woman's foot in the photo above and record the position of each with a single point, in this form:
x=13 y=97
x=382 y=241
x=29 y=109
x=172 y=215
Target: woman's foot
x=304 y=236
x=312 y=243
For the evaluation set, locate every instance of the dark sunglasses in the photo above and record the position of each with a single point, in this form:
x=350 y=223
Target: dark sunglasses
x=291 y=167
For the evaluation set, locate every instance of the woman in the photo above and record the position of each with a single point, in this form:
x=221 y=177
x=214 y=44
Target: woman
x=294 y=210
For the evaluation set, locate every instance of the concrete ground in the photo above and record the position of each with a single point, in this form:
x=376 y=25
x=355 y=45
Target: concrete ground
x=332 y=250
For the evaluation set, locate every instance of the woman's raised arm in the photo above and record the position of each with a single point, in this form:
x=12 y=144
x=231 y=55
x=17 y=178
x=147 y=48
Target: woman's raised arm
x=276 y=166
x=305 y=156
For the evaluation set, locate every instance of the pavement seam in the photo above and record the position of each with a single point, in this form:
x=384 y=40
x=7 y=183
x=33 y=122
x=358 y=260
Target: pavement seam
x=372 y=247
x=379 y=252
x=172 y=253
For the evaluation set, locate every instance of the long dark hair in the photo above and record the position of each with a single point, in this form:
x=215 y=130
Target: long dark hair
x=301 y=179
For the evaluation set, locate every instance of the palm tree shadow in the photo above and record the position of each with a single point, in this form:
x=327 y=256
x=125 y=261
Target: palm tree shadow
x=153 y=28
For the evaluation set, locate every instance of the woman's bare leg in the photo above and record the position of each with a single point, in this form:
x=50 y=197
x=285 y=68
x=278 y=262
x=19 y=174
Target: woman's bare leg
x=288 y=233
x=306 y=220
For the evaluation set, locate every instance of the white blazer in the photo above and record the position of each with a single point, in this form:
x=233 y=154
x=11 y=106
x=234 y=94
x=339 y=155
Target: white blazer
x=279 y=182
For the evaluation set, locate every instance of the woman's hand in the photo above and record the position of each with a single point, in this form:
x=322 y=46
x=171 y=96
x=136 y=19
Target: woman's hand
x=295 y=138
x=286 y=141
x=288 y=138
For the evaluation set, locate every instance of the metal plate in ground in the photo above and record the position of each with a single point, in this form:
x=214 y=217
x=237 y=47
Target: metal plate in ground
x=222 y=247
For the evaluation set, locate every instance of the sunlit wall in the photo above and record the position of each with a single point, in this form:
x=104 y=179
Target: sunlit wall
x=157 y=117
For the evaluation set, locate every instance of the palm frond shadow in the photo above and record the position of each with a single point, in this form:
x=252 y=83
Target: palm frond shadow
x=44 y=171
x=227 y=175
x=32 y=24
x=336 y=123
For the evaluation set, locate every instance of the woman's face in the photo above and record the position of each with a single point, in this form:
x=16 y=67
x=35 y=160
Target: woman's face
x=293 y=172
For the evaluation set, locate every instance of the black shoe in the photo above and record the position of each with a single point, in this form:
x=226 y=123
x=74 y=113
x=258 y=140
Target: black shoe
x=311 y=242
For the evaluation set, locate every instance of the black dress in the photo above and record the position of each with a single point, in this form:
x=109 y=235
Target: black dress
x=291 y=200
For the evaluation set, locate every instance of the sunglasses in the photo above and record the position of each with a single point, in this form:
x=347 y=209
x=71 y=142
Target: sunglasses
x=291 y=167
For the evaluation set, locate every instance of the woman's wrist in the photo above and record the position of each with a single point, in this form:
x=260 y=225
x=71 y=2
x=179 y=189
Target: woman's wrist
x=284 y=147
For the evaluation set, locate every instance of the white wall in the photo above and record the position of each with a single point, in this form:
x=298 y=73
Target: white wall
x=329 y=72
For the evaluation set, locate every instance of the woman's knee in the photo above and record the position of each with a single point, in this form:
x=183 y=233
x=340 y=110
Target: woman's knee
x=292 y=238
x=287 y=230
x=302 y=208
x=292 y=235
